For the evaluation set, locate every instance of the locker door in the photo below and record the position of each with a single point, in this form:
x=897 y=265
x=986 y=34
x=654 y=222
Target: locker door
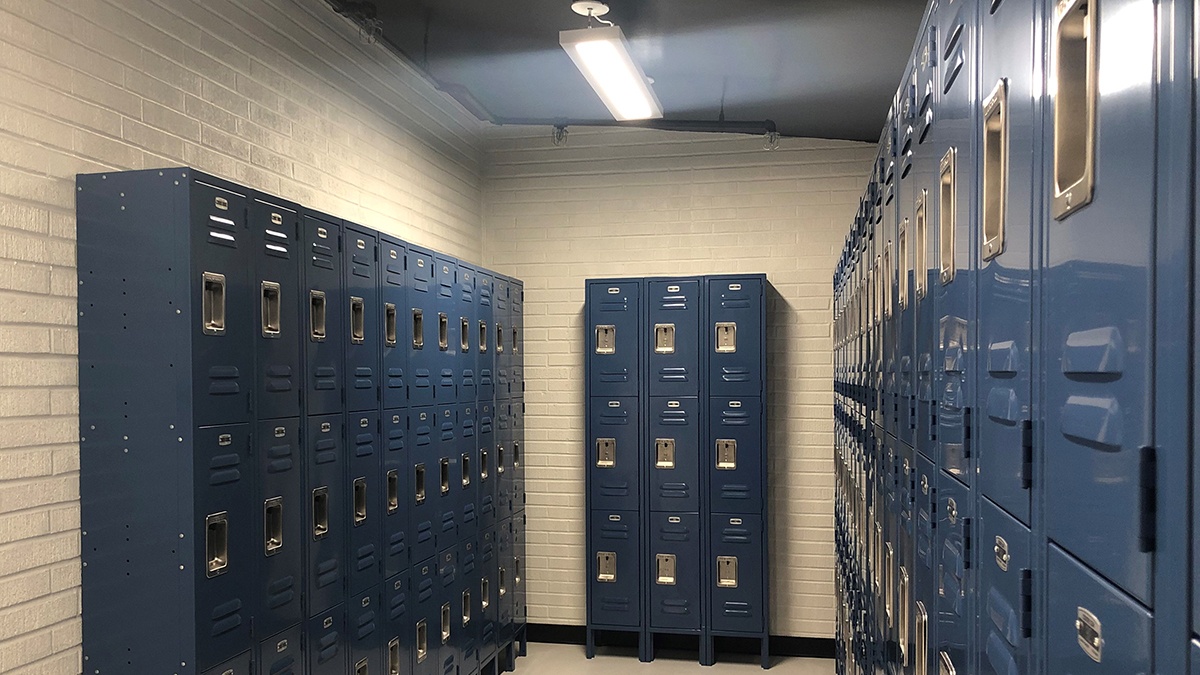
x=398 y=650
x=396 y=313
x=674 y=455
x=1093 y=627
x=464 y=483
x=926 y=272
x=426 y=618
x=1099 y=291
x=361 y=268
x=516 y=375
x=613 y=454
x=448 y=347
x=281 y=654
x=957 y=236
x=613 y=324
x=465 y=331
x=1006 y=589
x=396 y=479
x=504 y=561
x=465 y=603
x=502 y=316
x=365 y=626
x=446 y=472
x=673 y=566
x=520 y=611
x=326 y=642
x=226 y=524
x=486 y=463
x=277 y=255
x=1008 y=123
x=736 y=587
x=222 y=355
x=280 y=529
x=325 y=512
x=906 y=245
x=422 y=322
x=891 y=316
x=736 y=317
x=484 y=341
x=239 y=665
x=503 y=458
x=516 y=410
x=489 y=598
x=614 y=597
x=363 y=520
x=324 y=314
x=923 y=626
x=956 y=601
x=673 y=337
x=737 y=451
x=422 y=486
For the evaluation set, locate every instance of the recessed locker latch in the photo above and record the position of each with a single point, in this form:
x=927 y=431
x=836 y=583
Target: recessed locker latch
x=606 y=339
x=945 y=665
x=726 y=337
x=606 y=567
x=1090 y=634
x=606 y=452
x=727 y=571
x=727 y=454
x=1001 y=551
x=664 y=338
x=665 y=569
x=664 y=453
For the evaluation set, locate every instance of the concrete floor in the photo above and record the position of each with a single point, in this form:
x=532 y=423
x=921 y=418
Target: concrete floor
x=553 y=659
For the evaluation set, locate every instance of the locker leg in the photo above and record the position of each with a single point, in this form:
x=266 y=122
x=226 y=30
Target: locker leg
x=591 y=643
x=766 y=652
x=522 y=641
x=707 y=655
x=645 y=647
x=649 y=637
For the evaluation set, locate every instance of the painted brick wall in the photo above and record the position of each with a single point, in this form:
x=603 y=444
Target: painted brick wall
x=277 y=94
x=633 y=203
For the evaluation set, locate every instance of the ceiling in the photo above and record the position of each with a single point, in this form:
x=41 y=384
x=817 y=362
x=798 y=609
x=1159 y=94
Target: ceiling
x=816 y=68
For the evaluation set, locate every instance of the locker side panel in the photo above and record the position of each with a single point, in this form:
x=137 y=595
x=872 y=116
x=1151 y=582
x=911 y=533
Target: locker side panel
x=674 y=454
x=324 y=315
x=613 y=456
x=325 y=513
x=422 y=321
x=737 y=557
x=673 y=567
x=363 y=520
x=736 y=340
x=281 y=527
x=673 y=337
x=736 y=453
x=614 y=581
x=613 y=325
x=395 y=322
x=277 y=259
x=360 y=262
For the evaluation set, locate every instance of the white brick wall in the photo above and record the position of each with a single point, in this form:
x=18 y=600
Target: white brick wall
x=633 y=203
x=277 y=94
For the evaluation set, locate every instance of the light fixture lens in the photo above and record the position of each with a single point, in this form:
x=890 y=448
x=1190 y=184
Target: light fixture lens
x=616 y=80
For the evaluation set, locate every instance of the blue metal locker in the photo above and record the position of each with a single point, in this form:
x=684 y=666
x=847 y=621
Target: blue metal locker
x=396 y=481
x=445 y=473
x=503 y=459
x=275 y=225
x=516 y=372
x=905 y=251
x=326 y=513
x=466 y=333
x=675 y=463
x=738 y=561
x=447 y=586
x=1009 y=124
x=426 y=612
x=465 y=603
x=281 y=654
x=957 y=236
x=363 y=520
x=489 y=595
x=422 y=321
x=613 y=324
x=502 y=317
x=614 y=580
x=520 y=596
x=674 y=565
x=504 y=562
x=1093 y=627
x=905 y=554
x=280 y=490
x=221 y=259
x=516 y=413
x=673 y=337
x=1006 y=590
x=613 y=457
x=365 y=629
x=956 y=602
x=738 y=455
x=464 y=484
x=737 y=344
x=927 y=564
x=361 y=269
x=394 y=320
x=1099 y=282
x=398 y=624
x=324 y=298
x=485 y=342
x=486 y=461
x=422 y=535
x=326 y=644
x=239 y=665
x=446 y=364
x=889 y=227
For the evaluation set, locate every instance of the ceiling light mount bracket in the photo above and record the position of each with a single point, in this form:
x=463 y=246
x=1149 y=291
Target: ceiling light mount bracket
x=589 y=8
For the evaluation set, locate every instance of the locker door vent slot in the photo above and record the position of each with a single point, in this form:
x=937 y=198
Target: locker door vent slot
x=393 y=491
x=422 y=641
x=606 y=567
x=213 y=303
x=464 y=328
x=664 y=453
x=270 y=309
x=358 y=331
x=443 y=332
x=216 y=543
x=726 y=337
x=444 y=474
x=418 y=328
x=394 y=656
x=664 y=338
x=727 y=571
x=947 y=212
x=316 y=315
x=273 y=525
x=466 y=608
x=606 y=453
x=389 y=324
x=995 y=170
x=360 y=501
x=1075 y=71
x=445 y=623
x=320 y=512
x=727 y=454
x=483 y=337
x=419 y=474
x=1090 y=634
x=606 y=339
x=664 y=569
x=466 y=469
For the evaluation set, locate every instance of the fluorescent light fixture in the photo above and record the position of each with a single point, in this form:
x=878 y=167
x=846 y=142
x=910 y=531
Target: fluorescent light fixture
x=602 y=55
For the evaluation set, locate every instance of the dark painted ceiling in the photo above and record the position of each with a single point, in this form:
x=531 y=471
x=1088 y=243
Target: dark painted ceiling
x=817 y=68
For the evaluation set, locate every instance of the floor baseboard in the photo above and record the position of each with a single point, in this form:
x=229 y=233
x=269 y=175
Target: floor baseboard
x=820 y=648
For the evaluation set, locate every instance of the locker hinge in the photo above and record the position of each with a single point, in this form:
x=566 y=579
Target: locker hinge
x=1027 y=603
x=1149 y=495
x=966 y=422
x=966 y=543
x=1027 y=454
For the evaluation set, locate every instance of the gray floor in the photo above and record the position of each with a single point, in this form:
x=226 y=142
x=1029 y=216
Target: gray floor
x=548 y=659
